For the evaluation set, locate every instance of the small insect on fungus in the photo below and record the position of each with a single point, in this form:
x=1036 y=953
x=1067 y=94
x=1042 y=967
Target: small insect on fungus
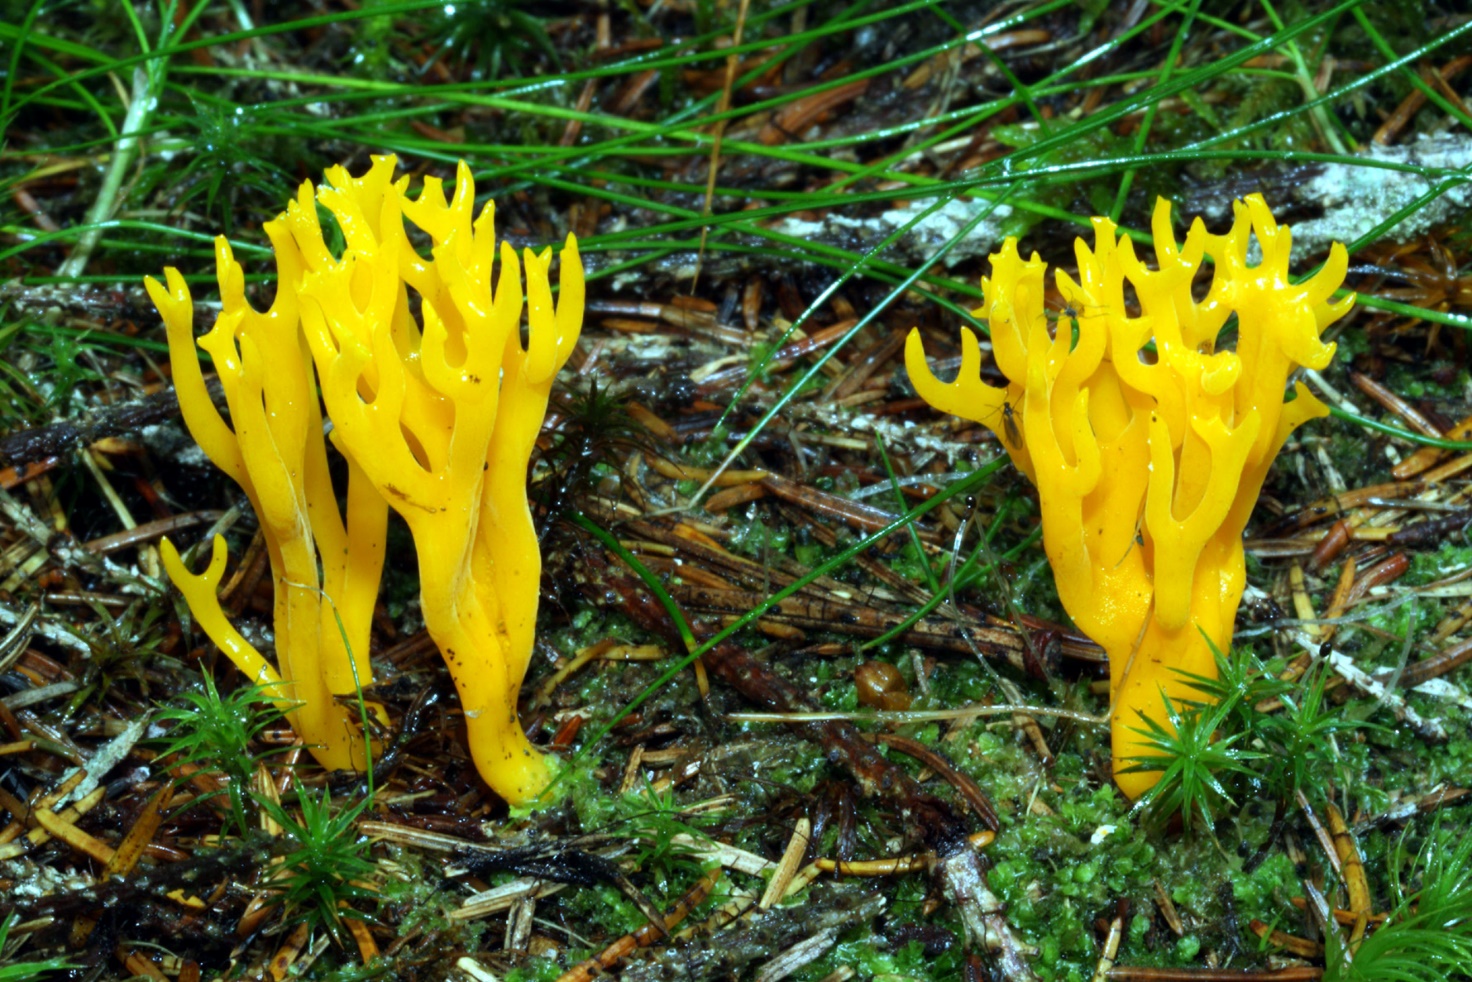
x=1011 y=430
x=1137 y=542
x=1009 y=427
x=1070 y=310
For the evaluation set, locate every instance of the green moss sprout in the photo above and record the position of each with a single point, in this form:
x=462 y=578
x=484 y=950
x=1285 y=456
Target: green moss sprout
x=1194 y=759
x=215 y=732
x=1428 y=935
x=324 y=865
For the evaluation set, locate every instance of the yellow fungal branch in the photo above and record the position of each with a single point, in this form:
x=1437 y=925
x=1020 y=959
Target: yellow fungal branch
x=436 y=420
x=324 y=567
x=1148 y=446
x=441 y=417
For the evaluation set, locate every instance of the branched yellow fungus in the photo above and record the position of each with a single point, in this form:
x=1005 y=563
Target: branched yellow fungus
x=324 y=568
x=436 y=421
x=442 y=418
x=1147 y=445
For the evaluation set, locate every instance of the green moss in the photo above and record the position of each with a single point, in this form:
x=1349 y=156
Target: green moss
x=1261 y=892
x=605 y=908
x=325 y=970
x=710 y=451
x=1418 y=380
x=1452 y=761
x=871 y=956
x=1394 y=621
x=958 y=682
x=759 y=540
x=536 y=970
x=810 y=554
x=420 y=902
x=795 y=766
x=1061 y=872
x=842 y=698
x=1350 y=345
x=1453 y=555
x=909 y=563
x=1352 y=450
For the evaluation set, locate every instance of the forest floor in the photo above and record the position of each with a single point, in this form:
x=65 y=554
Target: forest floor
x=817 y=709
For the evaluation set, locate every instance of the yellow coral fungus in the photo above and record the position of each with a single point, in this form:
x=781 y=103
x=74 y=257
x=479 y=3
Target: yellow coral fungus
x=1147 y=445
x=324 y=568
x=442 y=419
x=438 y=420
